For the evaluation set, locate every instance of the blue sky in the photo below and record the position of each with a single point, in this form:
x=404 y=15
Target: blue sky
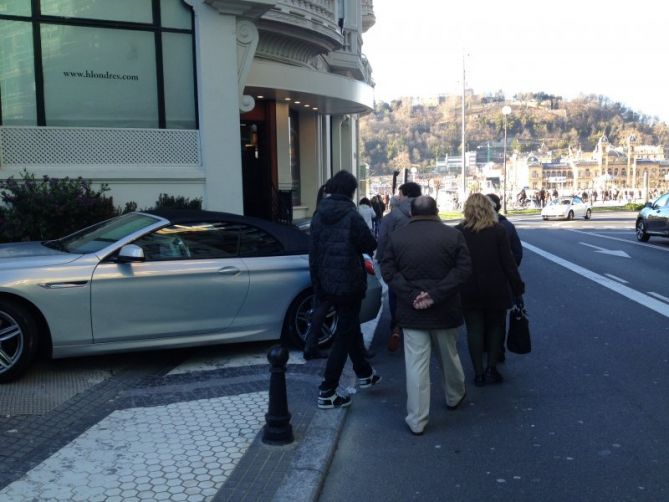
x=616 y=49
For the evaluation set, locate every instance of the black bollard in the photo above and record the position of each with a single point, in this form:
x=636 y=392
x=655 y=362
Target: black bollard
x=277 y=428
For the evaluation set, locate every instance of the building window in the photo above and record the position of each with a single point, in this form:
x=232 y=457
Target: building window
x=99 y=77
x=17 y=73
x=127 y=63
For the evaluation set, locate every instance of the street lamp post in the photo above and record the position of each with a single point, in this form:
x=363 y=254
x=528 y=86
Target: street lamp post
x=505 y=111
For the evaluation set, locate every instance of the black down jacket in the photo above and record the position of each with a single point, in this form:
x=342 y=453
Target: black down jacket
x=427 y=255
x=339 y=237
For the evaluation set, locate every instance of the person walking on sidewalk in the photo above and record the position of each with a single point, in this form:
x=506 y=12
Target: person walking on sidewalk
x=516 y=250
x=486 y=296
x=398 y=217
x=426 y=263
x=339 y=237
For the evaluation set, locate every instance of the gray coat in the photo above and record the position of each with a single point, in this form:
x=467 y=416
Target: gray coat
x=426 y=255
x=397 y=218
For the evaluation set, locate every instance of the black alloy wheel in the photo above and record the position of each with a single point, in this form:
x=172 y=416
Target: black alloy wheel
x=298 y=320
x=641 y=234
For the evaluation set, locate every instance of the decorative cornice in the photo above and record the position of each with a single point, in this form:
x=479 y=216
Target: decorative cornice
x=245 y=8
x=247 y=42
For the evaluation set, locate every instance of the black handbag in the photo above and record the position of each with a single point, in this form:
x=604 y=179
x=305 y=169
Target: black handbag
x=518 y=339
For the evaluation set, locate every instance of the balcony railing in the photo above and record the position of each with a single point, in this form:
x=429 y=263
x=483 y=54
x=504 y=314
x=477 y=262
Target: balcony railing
x=368 y=17
x=318 y=16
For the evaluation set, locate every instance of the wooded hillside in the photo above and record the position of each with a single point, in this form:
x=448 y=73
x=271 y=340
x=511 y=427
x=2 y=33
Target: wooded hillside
x=402 y=133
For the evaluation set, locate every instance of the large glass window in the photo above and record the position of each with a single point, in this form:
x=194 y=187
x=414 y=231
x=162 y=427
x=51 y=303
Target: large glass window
x=99 y=65
x=99 y=77
x=17 y=72
x=179 y=91
x=137 y=11
x=15 y=7
x=175 y=14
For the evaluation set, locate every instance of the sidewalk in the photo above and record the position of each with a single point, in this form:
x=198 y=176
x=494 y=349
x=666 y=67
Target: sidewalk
x=177 y=431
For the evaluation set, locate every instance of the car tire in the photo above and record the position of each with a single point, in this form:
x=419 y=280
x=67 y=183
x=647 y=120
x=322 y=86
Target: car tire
x=299 y=317
x=588 y=214
x=641 y=234
x=544 y=218
x=570 y=216
x=18 y=340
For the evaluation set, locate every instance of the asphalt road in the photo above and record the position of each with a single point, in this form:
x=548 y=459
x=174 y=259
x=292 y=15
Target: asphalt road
x=583 y=417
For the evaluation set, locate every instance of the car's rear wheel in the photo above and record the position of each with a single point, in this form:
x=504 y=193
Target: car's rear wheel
x=18 y=340
x=570 y=216
x=588 y=214
x=298 y=321
x=641 y=234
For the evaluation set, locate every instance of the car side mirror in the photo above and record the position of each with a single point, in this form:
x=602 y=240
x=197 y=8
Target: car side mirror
x=131 y=253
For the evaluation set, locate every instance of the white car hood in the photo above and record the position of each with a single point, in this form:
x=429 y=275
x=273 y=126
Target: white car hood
x=31 y=254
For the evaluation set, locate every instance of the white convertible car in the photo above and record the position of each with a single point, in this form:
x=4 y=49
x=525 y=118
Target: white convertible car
x=567 y=208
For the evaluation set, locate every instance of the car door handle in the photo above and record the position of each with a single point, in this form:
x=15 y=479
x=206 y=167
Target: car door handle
x=229 y=271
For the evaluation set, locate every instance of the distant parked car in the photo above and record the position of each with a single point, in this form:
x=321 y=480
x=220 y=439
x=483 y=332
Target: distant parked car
x=158 y=279
x=653 y=219
x=567 y=208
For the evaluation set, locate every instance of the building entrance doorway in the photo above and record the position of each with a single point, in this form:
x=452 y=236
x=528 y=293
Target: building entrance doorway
x=256 y=170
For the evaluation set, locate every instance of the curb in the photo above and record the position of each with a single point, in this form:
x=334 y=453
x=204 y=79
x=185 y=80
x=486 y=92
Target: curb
x=313 y=457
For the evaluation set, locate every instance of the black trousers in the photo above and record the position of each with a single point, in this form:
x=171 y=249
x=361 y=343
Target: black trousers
x=347 y=343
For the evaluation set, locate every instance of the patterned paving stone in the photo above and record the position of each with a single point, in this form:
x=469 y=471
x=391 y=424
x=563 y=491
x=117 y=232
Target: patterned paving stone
x=149 y=440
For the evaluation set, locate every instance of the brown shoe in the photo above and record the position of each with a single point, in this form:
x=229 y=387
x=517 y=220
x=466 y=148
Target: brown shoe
x=395 y=339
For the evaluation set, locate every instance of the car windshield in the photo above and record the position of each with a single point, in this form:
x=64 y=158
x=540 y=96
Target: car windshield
x=565 y=202
x=100 y=235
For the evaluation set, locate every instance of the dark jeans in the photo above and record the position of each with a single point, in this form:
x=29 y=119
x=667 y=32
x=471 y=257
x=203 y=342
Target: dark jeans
x=392 y=305
x=346 y=344
x=319 y=311
x=485 y=332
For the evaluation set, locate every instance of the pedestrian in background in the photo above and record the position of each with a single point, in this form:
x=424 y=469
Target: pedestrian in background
x=398 y=217
x=319 y=308
x=487 y=294
x=426 y=263
x=516 y=250
x=339 y=237
x=367 y=212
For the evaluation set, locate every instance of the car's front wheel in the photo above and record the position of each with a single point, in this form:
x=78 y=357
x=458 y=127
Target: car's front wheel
x=641 y=234
x=570 y=216
x=18 y=340
x=298 y=321
x=588 y=214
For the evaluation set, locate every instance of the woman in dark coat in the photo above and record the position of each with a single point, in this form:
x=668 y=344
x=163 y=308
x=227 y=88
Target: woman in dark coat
x=491 y=288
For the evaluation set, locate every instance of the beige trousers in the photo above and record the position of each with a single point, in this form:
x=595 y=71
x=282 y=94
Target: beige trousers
x=417 y=353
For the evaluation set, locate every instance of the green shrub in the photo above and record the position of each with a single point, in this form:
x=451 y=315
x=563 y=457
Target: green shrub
x=633 y=206
x=48 y=208
x=177 y=202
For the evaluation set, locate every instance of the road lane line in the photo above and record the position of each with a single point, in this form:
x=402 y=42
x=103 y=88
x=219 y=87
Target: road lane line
x=644 y=244
x=623 y=281
x=659 y=296
x=632 y=294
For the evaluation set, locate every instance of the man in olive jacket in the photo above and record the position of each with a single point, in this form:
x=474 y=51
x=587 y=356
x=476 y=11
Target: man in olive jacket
x=426 y=263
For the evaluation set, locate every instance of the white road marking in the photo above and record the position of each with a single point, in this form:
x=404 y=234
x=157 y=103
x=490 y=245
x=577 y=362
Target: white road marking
x=659 y=296
x=621 y=254
x=636 y=296
x=623 y=281
x=644 y=244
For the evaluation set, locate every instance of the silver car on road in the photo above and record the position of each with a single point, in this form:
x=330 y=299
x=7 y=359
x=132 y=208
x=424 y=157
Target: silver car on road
x=158 y=279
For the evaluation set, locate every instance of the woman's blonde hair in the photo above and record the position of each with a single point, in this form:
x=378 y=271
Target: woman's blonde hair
x=479 y=212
